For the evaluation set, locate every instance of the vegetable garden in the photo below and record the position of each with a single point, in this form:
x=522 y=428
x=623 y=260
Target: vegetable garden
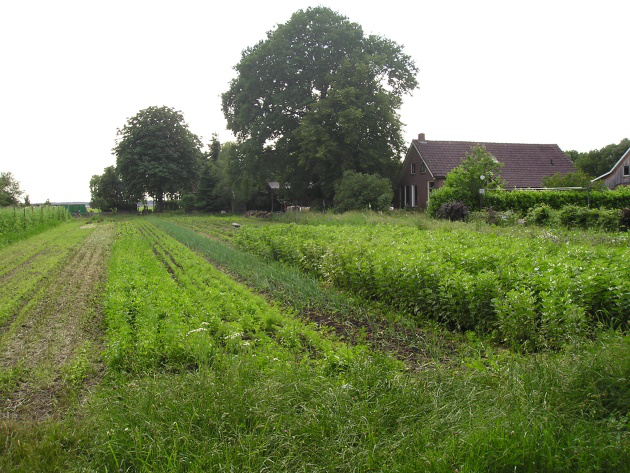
x=200 y=372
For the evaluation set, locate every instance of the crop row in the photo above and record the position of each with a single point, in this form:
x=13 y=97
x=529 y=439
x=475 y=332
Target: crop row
x=15 y=221
x=24 y=265
x=166 y=307
x=532 y=293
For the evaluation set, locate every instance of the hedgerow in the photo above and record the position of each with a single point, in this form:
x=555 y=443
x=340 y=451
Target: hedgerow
x=469 y=281
x=523 y=200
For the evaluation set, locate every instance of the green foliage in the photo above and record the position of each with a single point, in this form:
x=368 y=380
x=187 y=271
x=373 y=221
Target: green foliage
x=453 y=210
x=459 y=277
x=522 y=201
x=599 y=161
x=10 y=191
x=19 y=223
x=478 y=170
x=539 y=215
x=108 y=192
x=357 y=191
x=156 y=154
x=318 y=97
x=572 y=179
x=572 y=216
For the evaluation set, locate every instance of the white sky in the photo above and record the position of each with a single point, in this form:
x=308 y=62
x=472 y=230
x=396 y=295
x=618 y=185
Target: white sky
x=72 y=72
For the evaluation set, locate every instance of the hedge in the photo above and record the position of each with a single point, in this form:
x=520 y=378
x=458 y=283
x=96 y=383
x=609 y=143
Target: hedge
x=522 y=200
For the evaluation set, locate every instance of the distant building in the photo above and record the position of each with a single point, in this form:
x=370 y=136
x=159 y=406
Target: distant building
x=619 y=175
x=428 y=162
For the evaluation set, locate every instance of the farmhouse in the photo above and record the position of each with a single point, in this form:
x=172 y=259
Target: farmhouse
x=619 y=175
x=428 y=162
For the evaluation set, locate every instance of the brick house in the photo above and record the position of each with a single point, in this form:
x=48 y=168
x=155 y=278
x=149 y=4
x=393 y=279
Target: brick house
x=619 y=175
x=428 y=162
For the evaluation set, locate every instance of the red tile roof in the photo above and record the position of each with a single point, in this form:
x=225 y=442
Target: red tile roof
x=524 y=165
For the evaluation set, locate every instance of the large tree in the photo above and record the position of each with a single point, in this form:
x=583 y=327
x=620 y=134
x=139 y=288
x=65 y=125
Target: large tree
x=10 y=191
x=156 y=154
x=319 y=97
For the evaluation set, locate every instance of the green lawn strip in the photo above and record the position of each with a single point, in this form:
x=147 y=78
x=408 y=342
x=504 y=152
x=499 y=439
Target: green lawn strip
x=27 y=284
x=550 y=412
x=352 y=317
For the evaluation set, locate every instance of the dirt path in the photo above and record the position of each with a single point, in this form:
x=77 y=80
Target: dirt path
x=54 y=350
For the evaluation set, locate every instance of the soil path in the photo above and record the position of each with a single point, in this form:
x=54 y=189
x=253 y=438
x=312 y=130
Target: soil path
x=54 y=351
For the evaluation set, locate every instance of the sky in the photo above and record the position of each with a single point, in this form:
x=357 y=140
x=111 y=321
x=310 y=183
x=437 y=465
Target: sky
x=73 y=72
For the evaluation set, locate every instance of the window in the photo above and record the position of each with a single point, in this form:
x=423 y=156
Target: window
x=413 y=168
x=423 y=168
x=626 y=171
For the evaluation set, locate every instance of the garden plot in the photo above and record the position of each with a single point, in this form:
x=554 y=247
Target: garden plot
x=50 y=344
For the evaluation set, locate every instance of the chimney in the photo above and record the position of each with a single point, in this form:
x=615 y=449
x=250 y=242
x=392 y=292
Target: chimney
x=421 y=137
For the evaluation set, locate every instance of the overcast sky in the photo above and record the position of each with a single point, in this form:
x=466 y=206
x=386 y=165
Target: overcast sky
x=72 y=72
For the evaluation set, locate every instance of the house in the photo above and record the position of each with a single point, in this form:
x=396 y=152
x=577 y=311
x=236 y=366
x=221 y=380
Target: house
x=619 y=175
x=428 y=162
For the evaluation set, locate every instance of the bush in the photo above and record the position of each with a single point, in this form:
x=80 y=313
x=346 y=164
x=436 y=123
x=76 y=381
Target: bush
x=439 y=197
x=624 y=219
x=539 y=215
x=358 y=191
x=453 y=211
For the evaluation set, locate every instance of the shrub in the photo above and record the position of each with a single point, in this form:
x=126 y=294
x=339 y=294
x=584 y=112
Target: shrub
x=453 y=211
x=539 y=215
x=624 y=219
x=573 y=216
x=440 y=197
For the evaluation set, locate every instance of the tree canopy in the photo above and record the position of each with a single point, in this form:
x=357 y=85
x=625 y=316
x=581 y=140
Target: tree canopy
x=358 y=191
x=317 y=97
x=10 y=191
x=156 y=154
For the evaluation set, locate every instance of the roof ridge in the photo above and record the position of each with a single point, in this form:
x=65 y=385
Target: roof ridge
x=483 y=142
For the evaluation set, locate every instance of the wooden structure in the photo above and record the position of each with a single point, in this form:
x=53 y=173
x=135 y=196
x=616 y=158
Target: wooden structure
x=619 y=175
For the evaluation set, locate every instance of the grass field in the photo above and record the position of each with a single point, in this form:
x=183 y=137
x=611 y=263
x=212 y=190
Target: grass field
x=186 y=344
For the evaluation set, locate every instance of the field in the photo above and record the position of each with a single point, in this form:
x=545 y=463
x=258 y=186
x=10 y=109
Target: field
x=326 y=343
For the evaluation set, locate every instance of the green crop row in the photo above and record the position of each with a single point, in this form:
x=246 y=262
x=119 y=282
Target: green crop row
x=531 y=293
x=17 y=221
x=167 y=307
x=25 y=266
x=523 y=200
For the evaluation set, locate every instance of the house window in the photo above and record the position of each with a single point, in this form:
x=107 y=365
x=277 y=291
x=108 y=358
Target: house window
x=626 y=171
x=423 y=168
x=414 y=195
x=413 y=168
